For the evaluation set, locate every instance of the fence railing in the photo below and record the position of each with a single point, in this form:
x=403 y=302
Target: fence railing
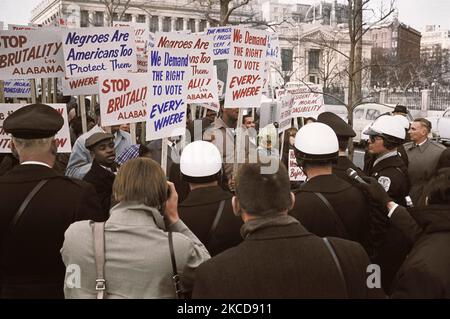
x=412 y=100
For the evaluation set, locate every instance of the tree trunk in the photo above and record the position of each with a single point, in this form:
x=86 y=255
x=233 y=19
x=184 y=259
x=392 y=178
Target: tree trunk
x=224 y=4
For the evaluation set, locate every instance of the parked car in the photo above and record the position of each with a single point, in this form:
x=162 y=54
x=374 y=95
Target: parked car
x=366 y=113
x=443 y=127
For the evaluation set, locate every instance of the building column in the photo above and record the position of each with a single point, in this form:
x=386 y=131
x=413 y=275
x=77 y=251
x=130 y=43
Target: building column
x=147 y=21
x=197 y=25
x=91 y=18
x=208 y=24
x=160 y=23
x=105 y=19
x=173 y=24
x=134 y=18
x=185 y=23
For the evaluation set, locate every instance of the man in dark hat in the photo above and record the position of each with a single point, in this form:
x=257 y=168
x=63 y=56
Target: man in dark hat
x=343 y=132
x=102 y=172
x=38 y=205
x=400 y=110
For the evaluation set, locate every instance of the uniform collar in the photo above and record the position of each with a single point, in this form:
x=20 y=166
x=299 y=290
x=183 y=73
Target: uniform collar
x=387 y=155
x=35 y=163
x=325 y=184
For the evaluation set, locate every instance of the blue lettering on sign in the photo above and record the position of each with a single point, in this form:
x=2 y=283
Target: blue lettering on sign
x=164 y=107
x=168 y=120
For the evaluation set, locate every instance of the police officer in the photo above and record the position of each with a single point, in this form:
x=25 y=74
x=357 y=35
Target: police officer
x=385 y=135
x=326 y=204
x=343 y=132
x=207 y=210
x=38 y=205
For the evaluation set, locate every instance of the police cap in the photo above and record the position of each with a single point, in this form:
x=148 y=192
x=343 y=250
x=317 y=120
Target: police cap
x=339 y=126
x=34 y=121
x=400 y=109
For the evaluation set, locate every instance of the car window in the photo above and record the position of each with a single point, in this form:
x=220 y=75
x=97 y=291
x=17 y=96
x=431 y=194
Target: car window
x=358 y=114
x=372 y=114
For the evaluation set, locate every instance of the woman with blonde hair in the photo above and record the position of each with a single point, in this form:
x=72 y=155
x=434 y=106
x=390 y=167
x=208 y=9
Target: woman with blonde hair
x=138 y=261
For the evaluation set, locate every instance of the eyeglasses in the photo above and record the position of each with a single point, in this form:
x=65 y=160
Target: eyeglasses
x=373 y=138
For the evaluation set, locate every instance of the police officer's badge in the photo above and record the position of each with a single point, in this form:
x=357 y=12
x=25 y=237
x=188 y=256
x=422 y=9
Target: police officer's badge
x=385 y=182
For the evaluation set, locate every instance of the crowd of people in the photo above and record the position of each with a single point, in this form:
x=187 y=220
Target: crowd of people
x=109 y=221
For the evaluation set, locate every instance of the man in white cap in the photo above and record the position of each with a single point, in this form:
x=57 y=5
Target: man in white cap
x=326 y=204
x=207 y=210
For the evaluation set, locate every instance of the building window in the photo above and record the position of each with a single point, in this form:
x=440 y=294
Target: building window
x=166 y=24
x=191 y=25
x=313 y=60
x=98 y=19
x=84 y=18
x=179 y=24
x=126 y=17
x=202 y=26
x=154 y=24
x=140 y=18
x=286 y=59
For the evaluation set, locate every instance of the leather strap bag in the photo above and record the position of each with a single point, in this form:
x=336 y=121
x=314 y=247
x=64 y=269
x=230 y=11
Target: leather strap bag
x=216 y=221
x=98 y=231
x=338 y=265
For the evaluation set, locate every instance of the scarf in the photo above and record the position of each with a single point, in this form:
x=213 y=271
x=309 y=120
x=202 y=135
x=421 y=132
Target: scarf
x=265 y=222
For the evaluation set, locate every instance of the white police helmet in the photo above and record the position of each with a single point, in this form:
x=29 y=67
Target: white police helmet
x=388 y=127
x=200 y=162
x=365 y=137
x=403 y=121
x=316 y=142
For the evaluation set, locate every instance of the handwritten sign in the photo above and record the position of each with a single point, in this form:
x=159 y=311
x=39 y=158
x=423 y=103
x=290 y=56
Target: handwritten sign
x=80 y=86
x=202 y=85
x=273 y=49
x=141 y=35
x=285 y=109
x=92 y=51
x=295 y=173
x=62 y=137
x=246 y=68
x=221 y=42
x=30 y=54
x=168 y=69
x=307 y=100
x=17 y=88
x=123 y=98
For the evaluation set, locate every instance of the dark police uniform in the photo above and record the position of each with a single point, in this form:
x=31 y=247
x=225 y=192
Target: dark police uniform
x=198 y=212
x=349 y=217
x=341 y=167
x=392 y=174
x=31 y=264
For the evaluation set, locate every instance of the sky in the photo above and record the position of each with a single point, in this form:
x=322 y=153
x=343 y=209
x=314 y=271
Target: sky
x=416 y=13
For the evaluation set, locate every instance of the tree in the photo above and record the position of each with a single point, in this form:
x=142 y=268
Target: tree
x=116 y=7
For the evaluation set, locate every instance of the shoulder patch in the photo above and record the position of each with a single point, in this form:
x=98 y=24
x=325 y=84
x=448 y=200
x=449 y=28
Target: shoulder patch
x=385 y=182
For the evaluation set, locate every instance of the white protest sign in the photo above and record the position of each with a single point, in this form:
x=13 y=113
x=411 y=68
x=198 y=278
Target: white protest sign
x=220 y=86
x=202 y=85
x=246 y=68
x=31 y=54
x=151 y=39
x=123 y=98
x=295 y=173
x=80 y=86
x=273 y=49
x=62 y=137
x=92 y=51
x=141 y=35
x=305 y=102
x=285 y=108
x=221 y=42
x=17 y=88
x=265 y=87
x=168 y=68
x=17 y=27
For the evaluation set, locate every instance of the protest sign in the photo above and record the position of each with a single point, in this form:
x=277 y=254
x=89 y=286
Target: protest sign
x=295 y=173
x=273 y=49
x=151 y=39
x=246 y=68
x=92 y=51
x=18 y=27
x=221 y=41
x=17 y=88
x=202 y=85
x=168 y=68
x=141 y=35
x=305 y=102
x=123 y=98
x=80 y=86
x=284 y=109
x=30 y=54
x=265 y=76
x=62 y=137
